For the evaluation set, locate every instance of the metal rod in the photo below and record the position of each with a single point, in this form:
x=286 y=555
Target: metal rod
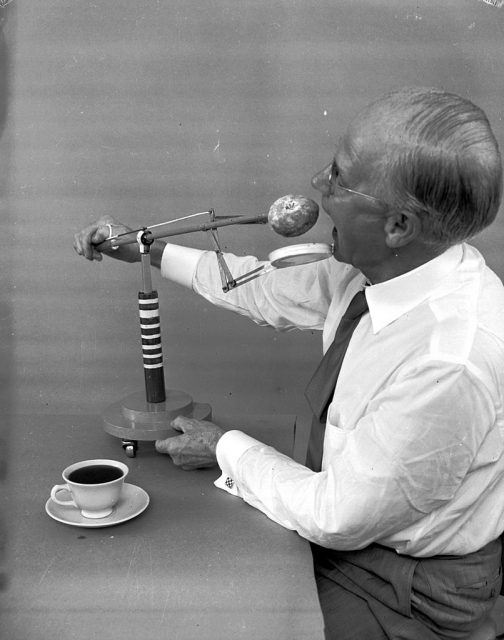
x=252 y=275
x=192 y=215
x=146 y=273
x=258 y=270
x=163 y=230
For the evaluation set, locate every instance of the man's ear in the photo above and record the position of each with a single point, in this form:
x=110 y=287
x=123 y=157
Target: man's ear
x=401 y=229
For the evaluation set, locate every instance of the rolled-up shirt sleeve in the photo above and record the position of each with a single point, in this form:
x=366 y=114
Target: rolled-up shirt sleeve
x=293 y=298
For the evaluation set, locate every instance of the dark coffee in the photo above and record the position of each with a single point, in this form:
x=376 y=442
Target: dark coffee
x=95 y=474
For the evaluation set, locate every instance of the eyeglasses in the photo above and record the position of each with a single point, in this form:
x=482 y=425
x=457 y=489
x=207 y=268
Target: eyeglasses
x=334 y=184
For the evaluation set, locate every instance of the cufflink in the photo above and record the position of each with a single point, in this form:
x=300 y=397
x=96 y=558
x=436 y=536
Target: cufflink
x=229 y=482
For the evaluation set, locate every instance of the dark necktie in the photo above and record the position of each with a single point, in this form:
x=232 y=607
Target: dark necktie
x=321 y=387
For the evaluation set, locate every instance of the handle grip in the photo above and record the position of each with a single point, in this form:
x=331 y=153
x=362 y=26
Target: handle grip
x=64 y=503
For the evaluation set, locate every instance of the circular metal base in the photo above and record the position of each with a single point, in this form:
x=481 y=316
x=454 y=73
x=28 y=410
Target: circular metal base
x=135 y=419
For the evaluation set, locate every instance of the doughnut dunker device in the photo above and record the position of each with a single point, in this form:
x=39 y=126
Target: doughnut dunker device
x=140 y=417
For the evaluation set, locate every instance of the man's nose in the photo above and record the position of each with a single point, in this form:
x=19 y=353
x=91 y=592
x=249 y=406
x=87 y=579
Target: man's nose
x=321 y=180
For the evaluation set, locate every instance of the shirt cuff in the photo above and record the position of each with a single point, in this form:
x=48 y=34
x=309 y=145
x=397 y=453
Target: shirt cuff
x=178 y=264
x=231 y=446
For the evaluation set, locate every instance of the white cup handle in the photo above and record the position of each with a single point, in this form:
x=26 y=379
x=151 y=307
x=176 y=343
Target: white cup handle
x=64 y=503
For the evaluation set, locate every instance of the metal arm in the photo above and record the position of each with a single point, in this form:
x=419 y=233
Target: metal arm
x=146 y=236
x=165 y=230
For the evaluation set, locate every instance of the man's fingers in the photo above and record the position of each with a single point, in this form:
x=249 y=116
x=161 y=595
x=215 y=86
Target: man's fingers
x=184 y=453
x=189 y=451
x=188 y=425
x=178 y=423
x=85 y=240
x=171 y=446
x=93 y=234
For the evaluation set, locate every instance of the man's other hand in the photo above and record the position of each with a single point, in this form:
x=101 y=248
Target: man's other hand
x=195 y=448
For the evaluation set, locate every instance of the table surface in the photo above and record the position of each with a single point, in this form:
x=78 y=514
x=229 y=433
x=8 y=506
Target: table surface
x=197 y=564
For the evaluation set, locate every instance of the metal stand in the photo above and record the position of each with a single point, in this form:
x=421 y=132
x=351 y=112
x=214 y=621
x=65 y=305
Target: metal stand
x=137 y=417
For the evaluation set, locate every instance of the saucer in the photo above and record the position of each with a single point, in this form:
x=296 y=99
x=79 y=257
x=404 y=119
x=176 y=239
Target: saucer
x=133 y=502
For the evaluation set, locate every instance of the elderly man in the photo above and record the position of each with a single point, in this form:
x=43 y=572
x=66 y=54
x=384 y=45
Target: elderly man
x=401 y=496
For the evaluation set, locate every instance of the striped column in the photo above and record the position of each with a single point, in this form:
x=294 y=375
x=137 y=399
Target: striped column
x=150 y=325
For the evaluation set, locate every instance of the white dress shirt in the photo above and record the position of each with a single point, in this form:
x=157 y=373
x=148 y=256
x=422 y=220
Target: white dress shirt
x=413 y=451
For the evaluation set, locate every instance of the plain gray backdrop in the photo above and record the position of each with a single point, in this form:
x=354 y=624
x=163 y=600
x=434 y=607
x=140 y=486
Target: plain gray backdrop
x=148 y=110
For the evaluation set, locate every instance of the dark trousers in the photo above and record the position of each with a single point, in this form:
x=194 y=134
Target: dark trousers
x=376 y=594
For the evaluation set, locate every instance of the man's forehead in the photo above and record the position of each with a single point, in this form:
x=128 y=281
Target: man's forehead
x=359 y=145
x=367 y=132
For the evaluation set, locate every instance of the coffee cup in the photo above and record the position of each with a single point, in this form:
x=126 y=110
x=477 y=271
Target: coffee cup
x=94 y=485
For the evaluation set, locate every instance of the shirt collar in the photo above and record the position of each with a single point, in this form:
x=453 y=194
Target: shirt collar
x=393 y=298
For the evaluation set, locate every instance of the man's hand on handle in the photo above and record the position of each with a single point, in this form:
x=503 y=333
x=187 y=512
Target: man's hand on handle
x=85 y=241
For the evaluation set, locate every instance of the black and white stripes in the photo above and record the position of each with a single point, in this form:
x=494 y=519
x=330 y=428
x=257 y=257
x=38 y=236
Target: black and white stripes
x=150 y=325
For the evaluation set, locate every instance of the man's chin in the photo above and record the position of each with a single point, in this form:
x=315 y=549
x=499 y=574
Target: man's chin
x=337 y=255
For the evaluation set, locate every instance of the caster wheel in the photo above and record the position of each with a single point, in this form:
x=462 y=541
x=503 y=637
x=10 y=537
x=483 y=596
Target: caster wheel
x=130 y=448
x=130 y=451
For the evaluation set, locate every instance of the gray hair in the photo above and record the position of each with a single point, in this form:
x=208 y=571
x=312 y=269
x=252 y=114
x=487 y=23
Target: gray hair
x=441 y=162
